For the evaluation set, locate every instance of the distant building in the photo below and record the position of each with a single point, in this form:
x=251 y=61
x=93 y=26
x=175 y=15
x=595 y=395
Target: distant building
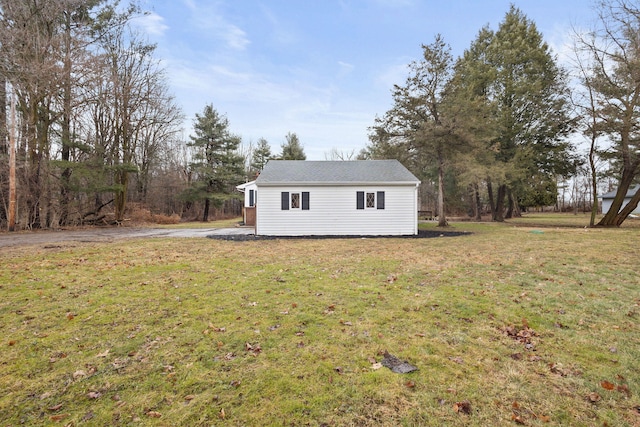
x=607 y=199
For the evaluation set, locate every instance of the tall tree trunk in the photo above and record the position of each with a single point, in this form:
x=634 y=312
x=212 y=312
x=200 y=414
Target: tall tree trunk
x=32 y=167
x=442 y=220
x=594 y=181
x=478 y=204
x=120 y=196
x=509 y=213
x=498 y=215
x=4 y=150
x=11 y=214
x=205 y=215
x=513 y=211
x=66 y=126
x=492 y=204
x=4 y=147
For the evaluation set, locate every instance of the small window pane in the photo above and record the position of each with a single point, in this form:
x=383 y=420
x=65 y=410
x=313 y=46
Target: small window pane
x=371 y=200
x=295 y=200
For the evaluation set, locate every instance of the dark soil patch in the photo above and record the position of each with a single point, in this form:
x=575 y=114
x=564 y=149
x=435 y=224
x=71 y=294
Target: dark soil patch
x=422 y=234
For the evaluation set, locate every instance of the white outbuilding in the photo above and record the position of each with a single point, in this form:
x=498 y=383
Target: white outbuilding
x=607 y=199
x=336 y=198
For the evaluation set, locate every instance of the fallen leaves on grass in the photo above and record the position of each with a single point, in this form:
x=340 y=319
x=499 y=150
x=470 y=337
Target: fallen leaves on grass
x=55 y=407
x=330 y=309
x=58 y=417
x=524 y=335
x=57 y=356
x=620 y=388
x=559 y=369
x=607 y=385
x=518 y=419
x=520 y=414
x=154 y=414
x=216 y=328
x=530 y=357
x=253 y=349
x=623 y=388
x=594 y=397
x=463 y=407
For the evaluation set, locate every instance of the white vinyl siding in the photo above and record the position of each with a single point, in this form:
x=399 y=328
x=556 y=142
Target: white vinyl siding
x=333 y=211
x=606 y=205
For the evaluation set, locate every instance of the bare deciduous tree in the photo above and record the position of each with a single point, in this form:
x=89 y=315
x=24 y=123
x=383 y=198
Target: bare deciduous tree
x=612 y=79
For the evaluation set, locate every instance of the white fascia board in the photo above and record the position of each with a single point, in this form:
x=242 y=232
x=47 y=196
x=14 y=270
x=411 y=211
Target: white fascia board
x=336 y=184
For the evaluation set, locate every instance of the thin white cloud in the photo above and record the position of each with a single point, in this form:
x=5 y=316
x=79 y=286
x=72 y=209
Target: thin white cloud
x=210 y=22
x=279 y=33
x=190 y=4
x=152 y=23
x=235 y=37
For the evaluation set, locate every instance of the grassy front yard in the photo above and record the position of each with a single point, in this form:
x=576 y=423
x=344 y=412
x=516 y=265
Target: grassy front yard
x=508 y=326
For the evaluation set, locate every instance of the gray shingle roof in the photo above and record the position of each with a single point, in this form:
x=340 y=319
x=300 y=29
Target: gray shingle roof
x=630 y=192
x=279 y=172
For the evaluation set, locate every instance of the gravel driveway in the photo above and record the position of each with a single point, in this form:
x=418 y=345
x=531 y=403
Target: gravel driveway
x=49 y=238
x=24 y=238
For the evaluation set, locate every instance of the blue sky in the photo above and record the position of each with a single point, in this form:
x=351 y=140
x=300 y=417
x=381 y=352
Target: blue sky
x=320 y=68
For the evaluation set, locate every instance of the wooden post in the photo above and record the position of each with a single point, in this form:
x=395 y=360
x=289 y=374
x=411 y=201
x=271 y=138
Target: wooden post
x=12 y=167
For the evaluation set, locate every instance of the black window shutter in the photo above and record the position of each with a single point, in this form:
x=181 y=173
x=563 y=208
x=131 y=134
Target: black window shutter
x=251 y=197
x=305 y=200
x=285 y=200
x=360 y=200
x=380 y=201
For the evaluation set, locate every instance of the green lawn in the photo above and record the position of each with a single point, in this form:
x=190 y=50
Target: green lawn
x=507 y=326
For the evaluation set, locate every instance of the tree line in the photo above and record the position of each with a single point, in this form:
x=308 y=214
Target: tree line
x=498 y=123
x=90 y=131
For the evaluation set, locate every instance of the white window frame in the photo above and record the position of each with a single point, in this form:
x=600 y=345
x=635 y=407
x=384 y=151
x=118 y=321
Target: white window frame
x=366 y=200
